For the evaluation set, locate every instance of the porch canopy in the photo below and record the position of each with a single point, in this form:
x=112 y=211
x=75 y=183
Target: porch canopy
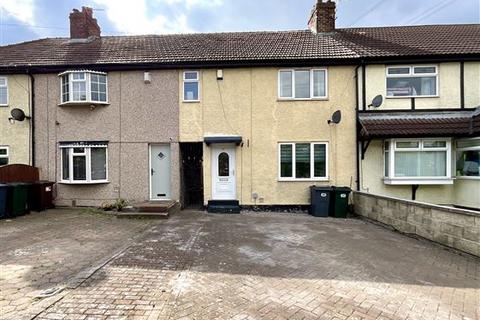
x=222 y=139
x=408 y=124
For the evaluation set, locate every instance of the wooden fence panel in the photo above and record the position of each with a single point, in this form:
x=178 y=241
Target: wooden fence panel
x=18 y=173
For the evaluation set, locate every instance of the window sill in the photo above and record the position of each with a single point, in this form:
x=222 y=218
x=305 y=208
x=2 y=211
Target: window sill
x=303 y=180
x=467 y=178
x=83 y=103
x=191 y=101
x=410 y=97
x=419 y=181
x=4 y=105
x=84 y=182
x=302 y=99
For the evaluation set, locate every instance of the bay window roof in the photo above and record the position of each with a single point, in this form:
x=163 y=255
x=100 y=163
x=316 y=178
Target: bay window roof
x=384 y=124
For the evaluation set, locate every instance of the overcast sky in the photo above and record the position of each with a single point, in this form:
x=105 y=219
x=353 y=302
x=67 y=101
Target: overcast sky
x=22 y=20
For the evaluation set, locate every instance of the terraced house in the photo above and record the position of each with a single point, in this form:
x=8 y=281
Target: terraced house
x=227 y=120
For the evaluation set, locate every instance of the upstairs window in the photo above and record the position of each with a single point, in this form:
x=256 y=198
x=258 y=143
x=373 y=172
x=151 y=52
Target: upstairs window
x=302 y=84
x=3 y=91
x=412 y=81
x=83 y=163
x=3 y=156
x=417 y=160
x=191 y=86
x=83 y=87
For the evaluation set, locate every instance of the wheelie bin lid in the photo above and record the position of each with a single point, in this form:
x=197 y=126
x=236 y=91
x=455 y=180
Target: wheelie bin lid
x=342 y=189
x=321 y=188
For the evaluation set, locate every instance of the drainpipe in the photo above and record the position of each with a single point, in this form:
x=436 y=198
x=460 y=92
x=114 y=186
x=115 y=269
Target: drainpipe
x=32 y=113
x=357 y=134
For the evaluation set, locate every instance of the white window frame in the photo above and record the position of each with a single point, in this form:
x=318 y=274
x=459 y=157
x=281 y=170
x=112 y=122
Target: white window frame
x=88 y=85
x=7 y=155
x=312 y=162
x=5 y=86
x=411 y=74
x=475 y=148
x=197 y=81
x=88 y=164
x=435 y=180
x=312 y=97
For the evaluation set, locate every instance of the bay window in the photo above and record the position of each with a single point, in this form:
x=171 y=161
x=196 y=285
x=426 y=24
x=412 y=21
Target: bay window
x=303 y=161
x=302 y=84
x=412 y=81
x=417 y=161
x=468 y=158
x=84 y=163
x=83 y=87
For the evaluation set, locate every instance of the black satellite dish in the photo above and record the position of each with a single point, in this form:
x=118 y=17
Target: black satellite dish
x=18 y=115
x=336 y=117
x=377 y=101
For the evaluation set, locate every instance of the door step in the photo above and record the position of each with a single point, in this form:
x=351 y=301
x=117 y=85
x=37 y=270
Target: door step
x=223 y=206
x=151 y=210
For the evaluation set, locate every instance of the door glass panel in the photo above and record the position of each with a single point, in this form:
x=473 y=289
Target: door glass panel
x=223 y=165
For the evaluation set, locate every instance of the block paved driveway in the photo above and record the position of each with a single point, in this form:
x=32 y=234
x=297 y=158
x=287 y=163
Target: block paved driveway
x=275 y=266
x=47 y=250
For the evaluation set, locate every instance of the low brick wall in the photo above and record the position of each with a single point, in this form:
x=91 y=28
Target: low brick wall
x=456 y=228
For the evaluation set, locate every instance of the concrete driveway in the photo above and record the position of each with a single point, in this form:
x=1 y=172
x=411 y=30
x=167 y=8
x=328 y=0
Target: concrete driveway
x=276 y=266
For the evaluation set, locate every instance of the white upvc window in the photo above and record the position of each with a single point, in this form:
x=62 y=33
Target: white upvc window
x=412 y=81
x=302 y=84
x=468 y=158
x=84 y=164
x=191 y=86
x=303 y=161
x=3 y=91
x=83 y=87
x=4 y=155
x=417 y=161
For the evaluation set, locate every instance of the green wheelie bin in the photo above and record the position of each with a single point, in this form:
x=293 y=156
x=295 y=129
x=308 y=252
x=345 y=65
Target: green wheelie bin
x=19 y=199
x=339 y=208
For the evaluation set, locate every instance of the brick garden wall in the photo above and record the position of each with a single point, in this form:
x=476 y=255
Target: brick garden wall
x=456 y=228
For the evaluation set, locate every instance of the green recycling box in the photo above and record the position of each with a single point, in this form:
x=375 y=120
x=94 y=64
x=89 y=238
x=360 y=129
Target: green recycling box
x=339 y=208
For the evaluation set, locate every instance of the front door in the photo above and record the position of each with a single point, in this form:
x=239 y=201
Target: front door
x=223 y=173
x=159 y=172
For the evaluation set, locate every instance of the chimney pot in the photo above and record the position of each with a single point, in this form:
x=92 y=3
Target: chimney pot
x=83 y=25
x=322 y=17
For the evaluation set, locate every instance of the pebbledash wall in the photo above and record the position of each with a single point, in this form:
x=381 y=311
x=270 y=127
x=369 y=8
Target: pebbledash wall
x=16 y=136
x=463 y=192
x=246 y=103
x=138 y=114
x=456 y=228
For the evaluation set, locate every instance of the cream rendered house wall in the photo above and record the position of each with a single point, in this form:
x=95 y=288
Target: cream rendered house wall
x=17 y=135
x=246 y=103
x=448 y=87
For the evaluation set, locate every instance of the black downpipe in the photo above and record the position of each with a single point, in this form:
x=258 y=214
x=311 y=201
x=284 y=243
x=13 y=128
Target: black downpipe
x=413 y=104
x=462 y=85
x=364 y=87
x=32 y=116
x=414 y=191
x=357 y=127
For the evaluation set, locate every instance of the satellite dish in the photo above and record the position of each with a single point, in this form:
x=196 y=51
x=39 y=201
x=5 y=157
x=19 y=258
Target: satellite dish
x=377 y=101
x=18 y=115
x=336 y=117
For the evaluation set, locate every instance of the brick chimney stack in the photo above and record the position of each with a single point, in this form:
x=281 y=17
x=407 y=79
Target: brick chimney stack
x=322 y=18
x=83 y=25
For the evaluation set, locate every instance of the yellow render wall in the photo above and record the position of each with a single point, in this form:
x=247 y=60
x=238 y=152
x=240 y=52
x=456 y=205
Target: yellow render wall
x=448 y=87
x=245 y=103
x=17 y=135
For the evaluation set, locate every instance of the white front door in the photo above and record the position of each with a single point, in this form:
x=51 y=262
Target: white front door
x=159 y=172
x=223 y=173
